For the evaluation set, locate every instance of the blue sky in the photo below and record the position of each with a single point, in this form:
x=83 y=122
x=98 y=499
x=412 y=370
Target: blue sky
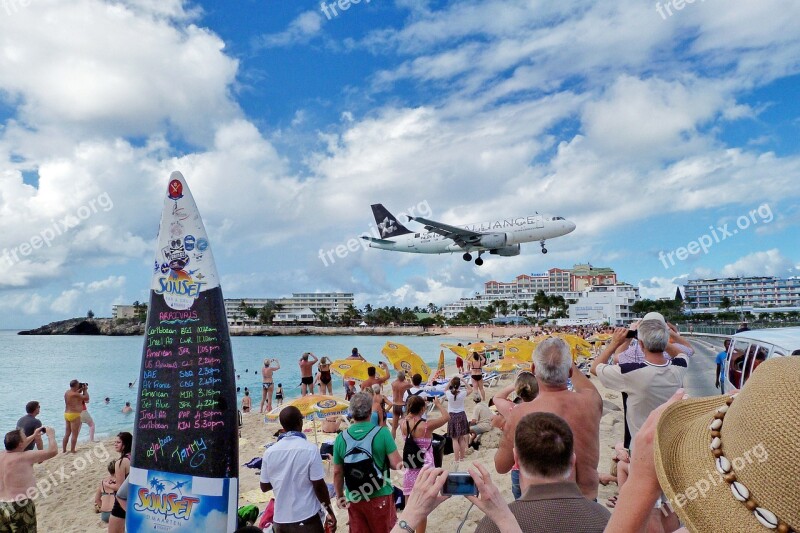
x=648 y=132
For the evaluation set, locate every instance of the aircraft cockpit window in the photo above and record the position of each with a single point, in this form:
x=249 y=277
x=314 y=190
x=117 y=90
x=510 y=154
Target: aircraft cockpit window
x=558 y=218
x=416 y=235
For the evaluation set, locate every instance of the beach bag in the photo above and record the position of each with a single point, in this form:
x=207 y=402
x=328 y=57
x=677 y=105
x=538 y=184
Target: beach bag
x=413 y=456
x=248 y=514
x=439 y=443
x=360 y=469
x=268 y=515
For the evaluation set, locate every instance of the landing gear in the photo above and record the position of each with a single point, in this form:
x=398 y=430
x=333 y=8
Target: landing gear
x=544 y=250
x=479 y=261
x=467 y=256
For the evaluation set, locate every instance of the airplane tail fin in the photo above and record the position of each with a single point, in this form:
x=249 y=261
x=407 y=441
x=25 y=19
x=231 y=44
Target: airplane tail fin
x=388 y=225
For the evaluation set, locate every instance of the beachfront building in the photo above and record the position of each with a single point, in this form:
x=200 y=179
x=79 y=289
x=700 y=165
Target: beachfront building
x=603 y=304
x=123 y=311
x=521 y=292
x=303 y=307
x=755 y=294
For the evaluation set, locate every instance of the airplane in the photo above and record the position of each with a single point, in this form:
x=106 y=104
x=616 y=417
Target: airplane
x=499 y=237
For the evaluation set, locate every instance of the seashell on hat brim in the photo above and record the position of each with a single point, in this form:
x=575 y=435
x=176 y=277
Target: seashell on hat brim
x=759 y=438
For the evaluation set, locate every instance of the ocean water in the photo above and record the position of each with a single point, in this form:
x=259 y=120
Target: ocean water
x=41 y=367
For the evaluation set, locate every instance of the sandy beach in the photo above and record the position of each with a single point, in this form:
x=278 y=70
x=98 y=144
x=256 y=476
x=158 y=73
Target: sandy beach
x=73 y=479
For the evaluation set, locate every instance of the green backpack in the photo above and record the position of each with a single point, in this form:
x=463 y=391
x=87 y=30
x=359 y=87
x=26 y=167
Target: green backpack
x=248 y=514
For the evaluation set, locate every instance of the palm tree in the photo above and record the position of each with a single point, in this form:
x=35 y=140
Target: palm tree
x=322 y=315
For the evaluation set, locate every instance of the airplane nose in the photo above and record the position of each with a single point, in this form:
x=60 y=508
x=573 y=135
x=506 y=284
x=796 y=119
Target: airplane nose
x=570 y=226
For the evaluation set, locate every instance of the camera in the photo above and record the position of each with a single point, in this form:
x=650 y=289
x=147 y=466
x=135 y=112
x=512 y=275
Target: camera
x=459 y=484
x=632 y=334
x=84 y=385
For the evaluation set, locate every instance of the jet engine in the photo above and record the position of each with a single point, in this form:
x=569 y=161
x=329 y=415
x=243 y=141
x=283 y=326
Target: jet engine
x=506 y=251
x=494 y=240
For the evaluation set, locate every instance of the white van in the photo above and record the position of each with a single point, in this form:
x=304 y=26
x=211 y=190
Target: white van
x=749 y=349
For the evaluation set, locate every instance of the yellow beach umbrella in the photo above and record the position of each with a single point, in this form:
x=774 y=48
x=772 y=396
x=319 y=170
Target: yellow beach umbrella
x=579 y=346
x=354 y=369
x=312 y=405
x=482 y=347
x=507 y=364
x=404 y=358
x=440 y=368
x=460 y=351
x=519 y=349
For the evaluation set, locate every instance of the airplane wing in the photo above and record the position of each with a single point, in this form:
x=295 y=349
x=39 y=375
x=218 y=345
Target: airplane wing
x=377 y=241
x=461 y=236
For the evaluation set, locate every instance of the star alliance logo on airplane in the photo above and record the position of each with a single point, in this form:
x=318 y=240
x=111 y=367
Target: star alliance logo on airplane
x=387 y=227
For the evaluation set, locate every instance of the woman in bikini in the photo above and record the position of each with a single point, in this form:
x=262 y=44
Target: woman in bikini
x=324 y=377
x=267 y=383
x=123 y=444
x=415 y=427
x=105 y=496
x=476 y=372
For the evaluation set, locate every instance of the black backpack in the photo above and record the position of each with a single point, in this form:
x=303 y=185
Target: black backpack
x=360 y=469
x=413 y=456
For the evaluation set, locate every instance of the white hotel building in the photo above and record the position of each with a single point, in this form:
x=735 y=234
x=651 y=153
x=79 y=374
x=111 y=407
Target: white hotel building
x=769 y=294
x=600 y=298
x=302 y=307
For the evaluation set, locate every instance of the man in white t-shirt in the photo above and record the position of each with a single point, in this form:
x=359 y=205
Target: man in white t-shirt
x=648 y=383
x=416 y=389
x=292 y=469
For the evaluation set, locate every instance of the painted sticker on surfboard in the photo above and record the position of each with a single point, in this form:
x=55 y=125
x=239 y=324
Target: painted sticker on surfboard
x=184 y=471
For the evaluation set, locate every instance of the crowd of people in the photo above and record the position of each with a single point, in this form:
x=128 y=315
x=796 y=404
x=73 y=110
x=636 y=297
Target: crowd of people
x=25 y=447
x=550 y=445
x=723 y=463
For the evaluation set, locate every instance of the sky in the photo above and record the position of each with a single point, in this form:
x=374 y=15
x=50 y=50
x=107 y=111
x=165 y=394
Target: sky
x=669 y=136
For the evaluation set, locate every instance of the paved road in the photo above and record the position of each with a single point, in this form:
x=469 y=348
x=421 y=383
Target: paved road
x=702 y=369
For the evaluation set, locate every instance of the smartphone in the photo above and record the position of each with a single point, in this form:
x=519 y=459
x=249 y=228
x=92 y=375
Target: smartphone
x=459 y=484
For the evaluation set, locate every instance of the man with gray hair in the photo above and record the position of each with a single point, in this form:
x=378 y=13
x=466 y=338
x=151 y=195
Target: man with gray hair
x=581 y=407
x=649 y=383
x=362 y=457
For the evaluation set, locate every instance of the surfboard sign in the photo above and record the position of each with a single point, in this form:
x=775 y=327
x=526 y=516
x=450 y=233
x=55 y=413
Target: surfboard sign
x=184 y=465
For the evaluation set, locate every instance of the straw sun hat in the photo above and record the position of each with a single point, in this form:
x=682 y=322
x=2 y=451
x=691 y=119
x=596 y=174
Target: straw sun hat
x=758 y=445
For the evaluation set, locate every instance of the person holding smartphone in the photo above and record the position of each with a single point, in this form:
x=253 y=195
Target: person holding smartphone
x=551 y=499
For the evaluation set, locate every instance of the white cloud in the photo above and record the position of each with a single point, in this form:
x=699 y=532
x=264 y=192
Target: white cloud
x=111 y=282
x=66 y=303
x=765 y=263
x=300 y=30
x=88 y=67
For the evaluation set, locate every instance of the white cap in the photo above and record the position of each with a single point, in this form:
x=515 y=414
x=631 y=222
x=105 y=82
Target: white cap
x=655 y=316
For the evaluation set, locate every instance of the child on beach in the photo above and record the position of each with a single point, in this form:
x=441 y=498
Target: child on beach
x=246 y=402
x=279 y=394
x=104 y=497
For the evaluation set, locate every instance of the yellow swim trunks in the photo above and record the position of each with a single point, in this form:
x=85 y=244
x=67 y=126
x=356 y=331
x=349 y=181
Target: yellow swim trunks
x=69 y=417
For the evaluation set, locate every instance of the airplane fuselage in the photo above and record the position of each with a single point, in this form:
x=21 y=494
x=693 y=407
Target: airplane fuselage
x=499 y=235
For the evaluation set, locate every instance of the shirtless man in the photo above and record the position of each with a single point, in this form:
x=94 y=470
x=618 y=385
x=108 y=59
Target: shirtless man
x=268 y=383
x=373 y=378
x=399 y=388
x=74 y=399
x=581 y=408
x=18 y=486
x=307 y=372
